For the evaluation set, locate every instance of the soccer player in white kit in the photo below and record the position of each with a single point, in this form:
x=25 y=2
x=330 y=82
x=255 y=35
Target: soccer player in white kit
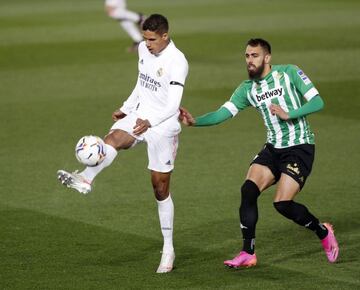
x=149 y=115
x=129 y=20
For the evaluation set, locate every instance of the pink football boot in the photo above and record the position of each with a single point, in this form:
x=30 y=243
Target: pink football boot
x=242 y=260
x=330 y=244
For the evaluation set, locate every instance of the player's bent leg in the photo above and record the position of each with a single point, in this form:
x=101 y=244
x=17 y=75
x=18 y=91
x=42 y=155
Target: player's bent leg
x=116 y=140
x=261 y=175
x=296 y=212
x=119 y=139
x=286 y=189
x=81 y=181
x=284 y=204
x=89 y=173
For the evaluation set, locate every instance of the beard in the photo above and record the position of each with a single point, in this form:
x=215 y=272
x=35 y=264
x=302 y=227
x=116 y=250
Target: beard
x=257 y=72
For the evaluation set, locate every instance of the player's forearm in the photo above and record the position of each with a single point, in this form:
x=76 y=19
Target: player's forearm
x=314 y=105
x=213 y=118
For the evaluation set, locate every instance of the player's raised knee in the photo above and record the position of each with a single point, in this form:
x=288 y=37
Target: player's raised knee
x=249 y=191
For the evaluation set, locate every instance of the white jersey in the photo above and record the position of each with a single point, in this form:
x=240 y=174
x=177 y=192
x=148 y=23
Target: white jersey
x=158 y=91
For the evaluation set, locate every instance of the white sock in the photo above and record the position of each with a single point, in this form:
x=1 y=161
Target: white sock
x=90 y=172
x=132 y=30
x=166 y=216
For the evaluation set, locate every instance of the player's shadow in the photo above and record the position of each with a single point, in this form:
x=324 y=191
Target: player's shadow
x=222 y=240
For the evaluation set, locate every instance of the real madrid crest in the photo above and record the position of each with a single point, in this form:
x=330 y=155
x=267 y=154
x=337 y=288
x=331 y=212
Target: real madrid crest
x=160 y=72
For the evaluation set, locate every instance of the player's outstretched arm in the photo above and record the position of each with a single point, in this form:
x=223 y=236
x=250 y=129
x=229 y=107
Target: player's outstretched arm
x=209 y=119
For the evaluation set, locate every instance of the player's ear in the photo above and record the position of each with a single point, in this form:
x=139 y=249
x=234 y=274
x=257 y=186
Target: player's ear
x=165 y=36
x=267 y=58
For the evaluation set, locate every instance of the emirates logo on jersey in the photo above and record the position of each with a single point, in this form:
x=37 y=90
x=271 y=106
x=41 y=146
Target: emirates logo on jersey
x=148 y=82
x=160 y=72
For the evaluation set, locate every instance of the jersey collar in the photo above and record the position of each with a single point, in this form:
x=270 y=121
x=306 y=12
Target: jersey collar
x=167 y=48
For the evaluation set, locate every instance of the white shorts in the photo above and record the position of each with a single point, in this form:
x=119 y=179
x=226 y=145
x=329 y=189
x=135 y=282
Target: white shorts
x=116 y=3
x=161 y=149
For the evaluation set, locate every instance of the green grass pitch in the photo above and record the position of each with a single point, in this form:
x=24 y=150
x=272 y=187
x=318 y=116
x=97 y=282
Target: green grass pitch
x=64 y=69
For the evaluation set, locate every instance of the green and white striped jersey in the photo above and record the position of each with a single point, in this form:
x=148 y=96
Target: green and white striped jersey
x=287 y=86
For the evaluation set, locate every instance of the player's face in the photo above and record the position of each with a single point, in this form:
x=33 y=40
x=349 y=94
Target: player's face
x=155 y=42
x=257 y=59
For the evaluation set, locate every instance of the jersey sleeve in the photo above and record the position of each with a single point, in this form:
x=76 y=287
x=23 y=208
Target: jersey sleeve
x=238 y=101
x=213 y=118
x=177 y=79
x=314 y=105
x=131 y=102
x=302 y=83
x=179 y=72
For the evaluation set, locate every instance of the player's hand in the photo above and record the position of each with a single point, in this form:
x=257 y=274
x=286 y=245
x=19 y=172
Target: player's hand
x=141 y=126
x=278 y=111
x=117 y=115
x=186 y=118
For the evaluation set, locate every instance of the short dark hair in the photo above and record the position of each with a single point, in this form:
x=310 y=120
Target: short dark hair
x=157 y=23
x=262 y=42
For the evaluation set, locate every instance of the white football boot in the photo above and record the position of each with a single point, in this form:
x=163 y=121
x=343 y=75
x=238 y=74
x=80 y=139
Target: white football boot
x=166 y=263
x=74 y=180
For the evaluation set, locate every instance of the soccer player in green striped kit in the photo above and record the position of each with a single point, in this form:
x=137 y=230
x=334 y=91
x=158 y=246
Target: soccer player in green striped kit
x=283 y=95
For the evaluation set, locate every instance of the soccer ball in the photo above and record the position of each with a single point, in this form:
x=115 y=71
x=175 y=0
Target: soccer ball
x=90 y=150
